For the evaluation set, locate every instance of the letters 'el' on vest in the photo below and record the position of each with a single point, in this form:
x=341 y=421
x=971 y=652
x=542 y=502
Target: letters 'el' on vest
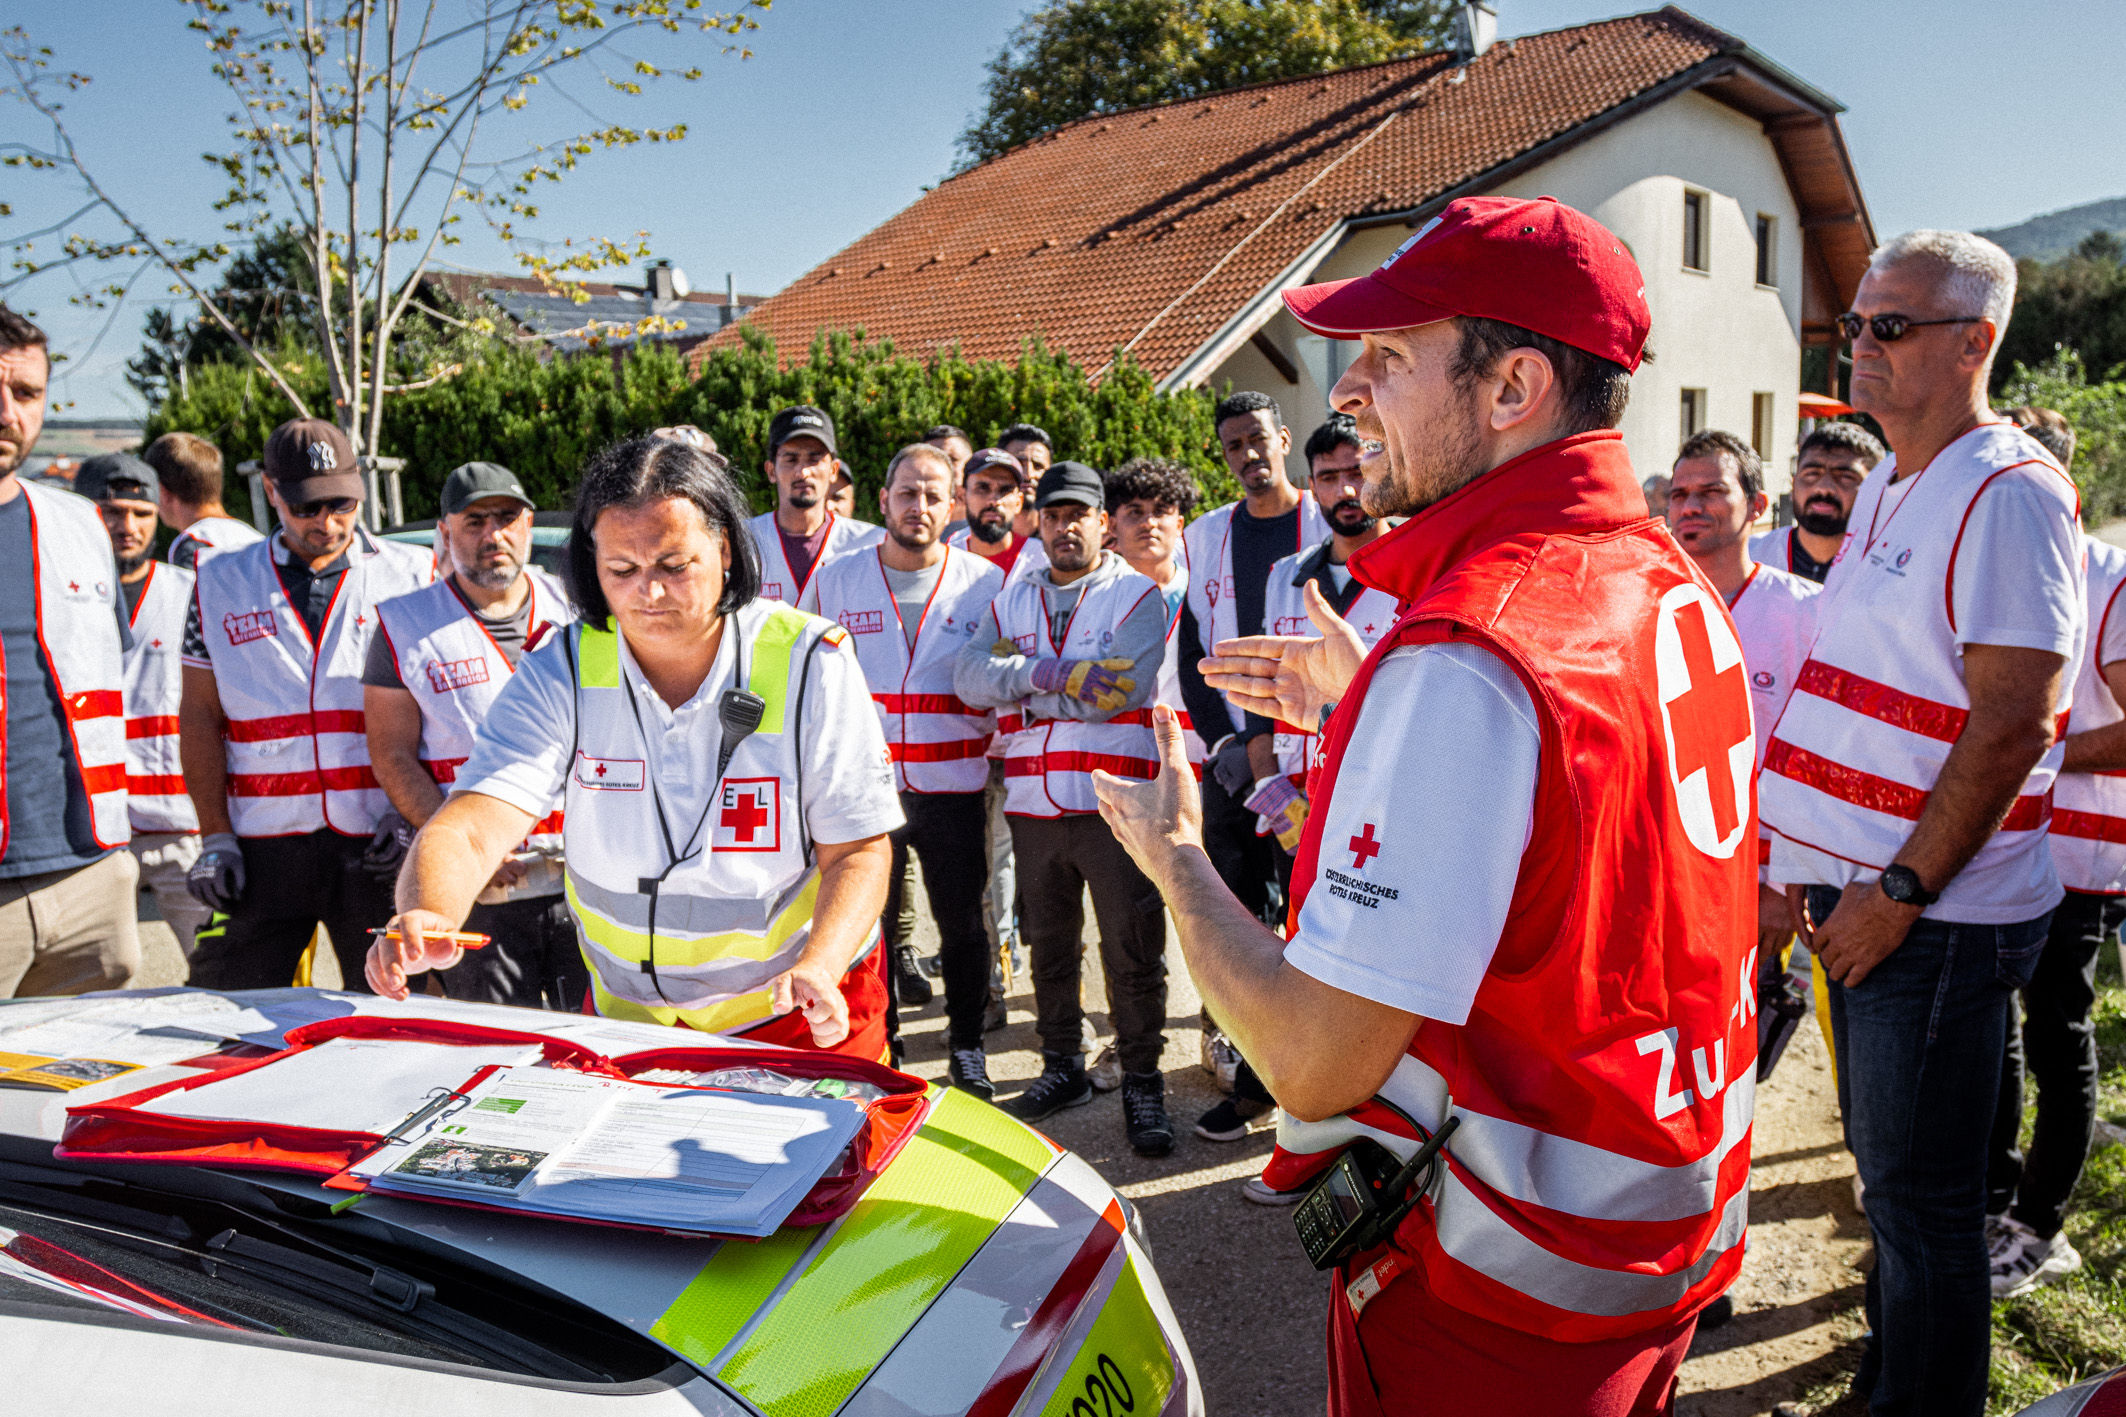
x=735 y=913
x=1597 y=1186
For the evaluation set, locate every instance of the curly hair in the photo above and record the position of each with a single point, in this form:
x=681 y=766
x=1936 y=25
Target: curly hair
x=1163 y=482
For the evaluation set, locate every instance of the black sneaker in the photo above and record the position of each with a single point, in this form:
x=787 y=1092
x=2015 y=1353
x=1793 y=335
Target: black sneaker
x=969 y=1071
x=1062 y=1084
x=1228 y=1121
x=995 y=1014
x=909 y=985
x=1144 y=1113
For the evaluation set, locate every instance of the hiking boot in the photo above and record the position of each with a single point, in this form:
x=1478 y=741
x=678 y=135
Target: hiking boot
x=1228 y=1121
x=968 y=1069
x=2023 y=1259
x=1144 y=1113
x=1062 y=1084
x=1106 y=1072
x=909 y=985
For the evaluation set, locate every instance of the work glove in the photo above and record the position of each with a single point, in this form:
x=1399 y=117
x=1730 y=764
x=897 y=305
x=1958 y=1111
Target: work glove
x=387 y=844
x=1229 y=765
x=1283 y=809
x=216 y=879
x=1098 y=682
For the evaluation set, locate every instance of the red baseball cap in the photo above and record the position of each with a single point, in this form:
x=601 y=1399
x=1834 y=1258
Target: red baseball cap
x=1540 y=265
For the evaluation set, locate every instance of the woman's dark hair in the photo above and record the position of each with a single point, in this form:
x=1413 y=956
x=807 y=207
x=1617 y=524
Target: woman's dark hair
x=644 y=470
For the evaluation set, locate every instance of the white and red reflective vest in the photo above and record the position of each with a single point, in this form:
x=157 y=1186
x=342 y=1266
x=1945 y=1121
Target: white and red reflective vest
x=939 y=742
x=1032 y=557
x=156 y=799
x=1175 y=592
x=1207 y=547
x=209 y=536
x=1598 y=1183
x=1775 y=619
x=77 y=625
x=455 y=671
x=1284 y=612
x=1881 y=700
x=2089 y=808
x=777 y=580
x=298 y=752
x=1049 y=762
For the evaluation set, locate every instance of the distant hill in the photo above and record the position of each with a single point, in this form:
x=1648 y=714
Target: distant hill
x=2048 y=237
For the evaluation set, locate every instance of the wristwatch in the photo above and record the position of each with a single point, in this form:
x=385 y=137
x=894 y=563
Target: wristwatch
x=1901 y=884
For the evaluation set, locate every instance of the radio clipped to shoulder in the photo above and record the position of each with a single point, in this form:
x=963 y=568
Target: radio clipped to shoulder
x=1359 y=1201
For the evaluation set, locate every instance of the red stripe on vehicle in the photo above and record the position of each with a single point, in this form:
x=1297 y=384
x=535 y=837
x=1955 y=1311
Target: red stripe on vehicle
x=1045 y=1329
x=1879 y=794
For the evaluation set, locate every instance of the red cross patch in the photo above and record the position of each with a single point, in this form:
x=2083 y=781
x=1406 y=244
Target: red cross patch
x=748 y=815
x=1705 y=712
x=609 y=774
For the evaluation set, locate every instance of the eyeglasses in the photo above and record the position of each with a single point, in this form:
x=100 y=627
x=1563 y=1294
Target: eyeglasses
x=322 y=507
x=1891 y=328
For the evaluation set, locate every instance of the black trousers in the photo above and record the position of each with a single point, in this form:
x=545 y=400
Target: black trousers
x=2058 y=1040
x=531 y=961
x=292 y=885
x=1059 y=857
x=949 y=834
x=1247 y=863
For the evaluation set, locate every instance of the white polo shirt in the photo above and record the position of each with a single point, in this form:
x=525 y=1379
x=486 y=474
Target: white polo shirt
x=1775 y=621
x=521 y=755
x=1438 y=783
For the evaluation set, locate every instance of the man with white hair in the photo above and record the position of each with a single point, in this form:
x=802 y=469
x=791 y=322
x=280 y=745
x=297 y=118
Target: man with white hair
x=1907 y=786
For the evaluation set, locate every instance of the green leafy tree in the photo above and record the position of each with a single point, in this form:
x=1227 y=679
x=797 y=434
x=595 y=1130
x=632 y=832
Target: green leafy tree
x=1073 y=58
x=2097 y=412
x=2076 y=303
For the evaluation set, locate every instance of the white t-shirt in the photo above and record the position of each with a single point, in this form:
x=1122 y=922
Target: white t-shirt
x=522 y=752
x=1775 y=620
x=2017 y=577
x=1432 y=810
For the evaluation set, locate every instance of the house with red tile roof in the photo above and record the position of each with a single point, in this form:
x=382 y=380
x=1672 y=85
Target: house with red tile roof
x=1168 y=232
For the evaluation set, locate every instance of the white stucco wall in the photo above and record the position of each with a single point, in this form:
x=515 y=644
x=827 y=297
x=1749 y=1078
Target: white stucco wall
x=1716 y=330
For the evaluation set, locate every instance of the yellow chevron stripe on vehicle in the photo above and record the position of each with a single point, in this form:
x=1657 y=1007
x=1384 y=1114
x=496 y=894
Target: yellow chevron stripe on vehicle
x=1123 y=1365
x=731 y=1287
x=919 y=1223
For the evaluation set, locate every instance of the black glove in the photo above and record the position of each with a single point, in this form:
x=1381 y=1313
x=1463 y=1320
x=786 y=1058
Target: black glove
x=387 y=846
x=1230 y=768
x=216 y=879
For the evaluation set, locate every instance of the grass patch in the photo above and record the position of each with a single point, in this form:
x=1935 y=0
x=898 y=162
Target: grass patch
x=2060 y=1334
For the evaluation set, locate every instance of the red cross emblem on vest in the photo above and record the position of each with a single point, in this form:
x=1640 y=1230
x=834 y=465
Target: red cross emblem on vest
x=1705 y=710
x=749 y=815
x=1363 y=849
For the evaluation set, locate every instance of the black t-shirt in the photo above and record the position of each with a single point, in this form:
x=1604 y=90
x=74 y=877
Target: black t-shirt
x=1258 y=544
x=382 y=667
x=1801 y=563
x=133 y=590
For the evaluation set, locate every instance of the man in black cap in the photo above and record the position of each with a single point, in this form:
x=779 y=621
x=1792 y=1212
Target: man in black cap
x=296 y=832
x=803 y=530
x=445 y=653
x=157 y=598
x=1070 y=656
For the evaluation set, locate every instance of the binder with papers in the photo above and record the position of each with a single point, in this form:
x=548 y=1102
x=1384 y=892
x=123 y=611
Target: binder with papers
x=442 y=1109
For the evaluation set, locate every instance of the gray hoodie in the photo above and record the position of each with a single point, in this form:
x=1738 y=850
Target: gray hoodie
x=988 y=679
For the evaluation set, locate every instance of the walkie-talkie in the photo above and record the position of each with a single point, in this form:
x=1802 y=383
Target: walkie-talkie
x=739 y=711
x=1359 y=1201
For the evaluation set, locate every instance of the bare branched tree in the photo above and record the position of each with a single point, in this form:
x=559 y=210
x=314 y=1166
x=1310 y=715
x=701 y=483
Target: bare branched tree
x=369 y=129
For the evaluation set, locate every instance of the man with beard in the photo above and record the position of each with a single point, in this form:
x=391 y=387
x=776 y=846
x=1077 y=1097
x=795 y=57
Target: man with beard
x=165 y=826
x=910 y=604
x=1071 y=656
x=1828 y=472
x=1230 y=550
x=993 y=490
x=1523 y=899
x=67 y=917
x=1035 y=451
x=1319 y=574
x=441 y=659
x=803 y=530
x=295 y=831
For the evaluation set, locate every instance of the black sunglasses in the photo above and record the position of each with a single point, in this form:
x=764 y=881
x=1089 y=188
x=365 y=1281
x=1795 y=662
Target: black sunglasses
x=1891 y=328
x=323 y=506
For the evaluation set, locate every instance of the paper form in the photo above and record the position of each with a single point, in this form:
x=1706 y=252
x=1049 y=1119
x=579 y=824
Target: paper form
x=366 y=1085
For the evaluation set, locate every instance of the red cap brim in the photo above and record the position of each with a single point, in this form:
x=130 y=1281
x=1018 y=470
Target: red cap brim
x=1346 y=309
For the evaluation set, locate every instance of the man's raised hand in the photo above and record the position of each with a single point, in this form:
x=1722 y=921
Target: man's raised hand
x=410 y=950
x=1289 y=677
x=1154 y=819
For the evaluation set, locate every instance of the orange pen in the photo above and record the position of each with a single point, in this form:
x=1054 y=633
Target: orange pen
x=463 y=939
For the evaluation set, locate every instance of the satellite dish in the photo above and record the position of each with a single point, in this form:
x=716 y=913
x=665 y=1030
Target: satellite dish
x=680 y=288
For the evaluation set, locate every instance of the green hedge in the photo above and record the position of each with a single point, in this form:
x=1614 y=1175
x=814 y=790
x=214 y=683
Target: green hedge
x=2097 y=412
x=543 y=419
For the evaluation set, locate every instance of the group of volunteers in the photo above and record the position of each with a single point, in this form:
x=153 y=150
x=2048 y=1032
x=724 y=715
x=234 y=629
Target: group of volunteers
x=1487 y=807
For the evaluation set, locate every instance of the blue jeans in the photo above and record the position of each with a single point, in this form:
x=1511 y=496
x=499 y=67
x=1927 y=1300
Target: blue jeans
x=1919 y=1046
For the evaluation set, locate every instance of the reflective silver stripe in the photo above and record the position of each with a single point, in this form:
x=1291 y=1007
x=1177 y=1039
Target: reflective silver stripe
x=1535 y=1167
x=690 y=986
x=679 y=914
x=1473 y=1233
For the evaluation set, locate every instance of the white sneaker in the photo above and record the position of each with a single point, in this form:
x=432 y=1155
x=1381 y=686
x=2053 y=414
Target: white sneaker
x=1219 y=1057
x=1106 y=1070
x=1261 y=1194
x=2026 y=1261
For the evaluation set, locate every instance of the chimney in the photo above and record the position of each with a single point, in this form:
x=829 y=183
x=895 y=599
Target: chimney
x=1476 y=26
x=666 y=282
x=732 y=312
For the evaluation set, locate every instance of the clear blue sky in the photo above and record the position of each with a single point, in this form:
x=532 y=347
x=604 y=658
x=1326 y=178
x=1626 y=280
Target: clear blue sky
x=1961 y=114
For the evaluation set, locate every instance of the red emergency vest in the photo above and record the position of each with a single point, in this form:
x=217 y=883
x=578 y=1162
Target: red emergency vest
x=1598 y=1184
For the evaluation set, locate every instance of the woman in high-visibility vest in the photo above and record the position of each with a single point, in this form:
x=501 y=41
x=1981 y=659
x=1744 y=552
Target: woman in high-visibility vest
x=727 y=788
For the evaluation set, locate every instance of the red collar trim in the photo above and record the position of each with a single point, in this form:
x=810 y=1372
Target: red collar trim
x=1579 y=484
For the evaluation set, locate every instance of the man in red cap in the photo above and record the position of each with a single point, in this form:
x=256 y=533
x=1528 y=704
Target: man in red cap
x=1526 y=895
